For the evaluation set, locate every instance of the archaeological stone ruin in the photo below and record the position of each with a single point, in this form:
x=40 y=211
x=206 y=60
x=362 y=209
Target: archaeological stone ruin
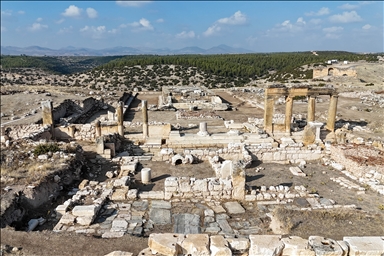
x=204 y=168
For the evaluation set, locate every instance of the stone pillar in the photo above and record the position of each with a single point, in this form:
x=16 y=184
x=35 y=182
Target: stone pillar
x=203 y=129
x=120 y=118
x=146 y=175
x=160 y=101
x=47 y=112
x=238 y=183
x=144 y=108
x=317 y=126
x=332 y=113
x=100 y=145
x=288 y=114
x=268 y=113
x=311 y=109
x=98 y=128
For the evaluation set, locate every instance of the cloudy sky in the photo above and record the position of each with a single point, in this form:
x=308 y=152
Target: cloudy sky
x=254 y=25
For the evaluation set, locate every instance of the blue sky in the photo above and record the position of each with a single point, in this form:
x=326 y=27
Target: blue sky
x=259 y=26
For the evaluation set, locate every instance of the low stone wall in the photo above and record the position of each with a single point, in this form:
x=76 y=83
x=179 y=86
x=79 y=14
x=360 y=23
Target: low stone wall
x=184 y=187
x=203 y=244
x=32 y=131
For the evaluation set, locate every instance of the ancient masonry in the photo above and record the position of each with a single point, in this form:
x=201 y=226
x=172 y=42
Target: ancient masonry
x=115 y=207
x=334 y=71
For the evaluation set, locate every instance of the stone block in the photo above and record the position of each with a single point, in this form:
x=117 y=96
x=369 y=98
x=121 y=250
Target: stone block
x=171 y=182
x=132 y=194
x=294 y=245
x=296 y=171
x=84 y=220
x=83 y=184
x=110 y=234
x=367 y=245
x=196 y=244
x=61 y=210
x=166 y=244
x=161 y=204
x=67 y=219
x=219 y=246
x=120 y=194
x=119 y=225
x=200 y=185
x=325 y=246
x=238 y=245
x=119 y=253
x=160 y=216
x=122 y=182
x=262 y=245
x=234 y=207
x=85 y=210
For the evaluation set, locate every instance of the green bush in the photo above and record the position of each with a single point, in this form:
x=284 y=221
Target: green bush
x=45 y=148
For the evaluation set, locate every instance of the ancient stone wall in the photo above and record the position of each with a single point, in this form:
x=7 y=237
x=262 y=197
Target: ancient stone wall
x=32 y=131
x=321 y=72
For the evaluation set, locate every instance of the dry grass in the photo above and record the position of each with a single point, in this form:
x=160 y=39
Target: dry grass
x=333 y=223
x=33 y=172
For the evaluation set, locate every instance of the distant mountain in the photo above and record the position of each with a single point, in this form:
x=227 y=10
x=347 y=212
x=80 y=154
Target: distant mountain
x=119 y=50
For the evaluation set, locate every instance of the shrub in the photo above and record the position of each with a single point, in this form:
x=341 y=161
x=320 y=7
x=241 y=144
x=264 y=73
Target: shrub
x=45 y=148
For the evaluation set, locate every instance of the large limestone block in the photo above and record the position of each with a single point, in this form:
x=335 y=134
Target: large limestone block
x=238 y=245
x=85 y=210
x=234 y=208
x=160 y=216
x=219 y=246
x=295 y=245
x=367 y=245
x=120 y=194
x=167 y=243
x=325 y=246
x=265 y=245
x=196 y=244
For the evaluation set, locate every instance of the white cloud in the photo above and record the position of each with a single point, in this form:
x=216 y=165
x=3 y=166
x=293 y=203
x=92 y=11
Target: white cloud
x=333 y=29
x=185 y=34
x=21 y=12
x=60 y=21
x=142 y=24
x=301 y=21
x=333 y=32
x=72 y=11
x=236 y=19
x=315 y=21
x=37 y=26
x=132 y=3
x=349 y=6
x=6 y=13
x=94 y=32
x=212 y=30
x=3 y=29
x=92 y=13
x=160 y=20
x=346 y=17
x=39 y=19
x=367 y=26
x=321 y=12
x=65 y=30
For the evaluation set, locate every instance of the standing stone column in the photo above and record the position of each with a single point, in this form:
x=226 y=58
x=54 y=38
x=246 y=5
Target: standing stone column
x=98 y=128
x=332 y=113
x=47 y=107
x=288 y=114
x=120 y=118
x=311 y=109
x=203 y=129
x=144 y=108
x=268 y=113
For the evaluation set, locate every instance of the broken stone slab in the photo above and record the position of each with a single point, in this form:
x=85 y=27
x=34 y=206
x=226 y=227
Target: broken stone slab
x=234 y=207
x=166 y=244
x=219 y=246
x=295 y=245
x=218 y=209
x=120 y=194
x=296 y=171
x=85 y=210
x=161 y=204
x=122 y=182
x=225 y=227
x=84 y=220
x=110 y=234
x=325 y=246
x=67 y=219
x=262 y=245
x=187 y=223
x=196 y=244
x=132 y=194
x=160 y=216
x=337 y=166
x=119 y=253
x=367 y=245
x=119 y=225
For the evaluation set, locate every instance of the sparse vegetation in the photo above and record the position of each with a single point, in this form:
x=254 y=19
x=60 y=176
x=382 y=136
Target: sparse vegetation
x=45 y=148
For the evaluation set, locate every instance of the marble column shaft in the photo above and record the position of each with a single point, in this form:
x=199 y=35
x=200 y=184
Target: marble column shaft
x=144 y=107
x=120 y=118
x=311 y=109
x=332 y=113
x=268 y=113
x=288 y=113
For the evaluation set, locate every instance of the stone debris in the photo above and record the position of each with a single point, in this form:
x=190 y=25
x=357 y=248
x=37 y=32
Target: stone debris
x=297 y=171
